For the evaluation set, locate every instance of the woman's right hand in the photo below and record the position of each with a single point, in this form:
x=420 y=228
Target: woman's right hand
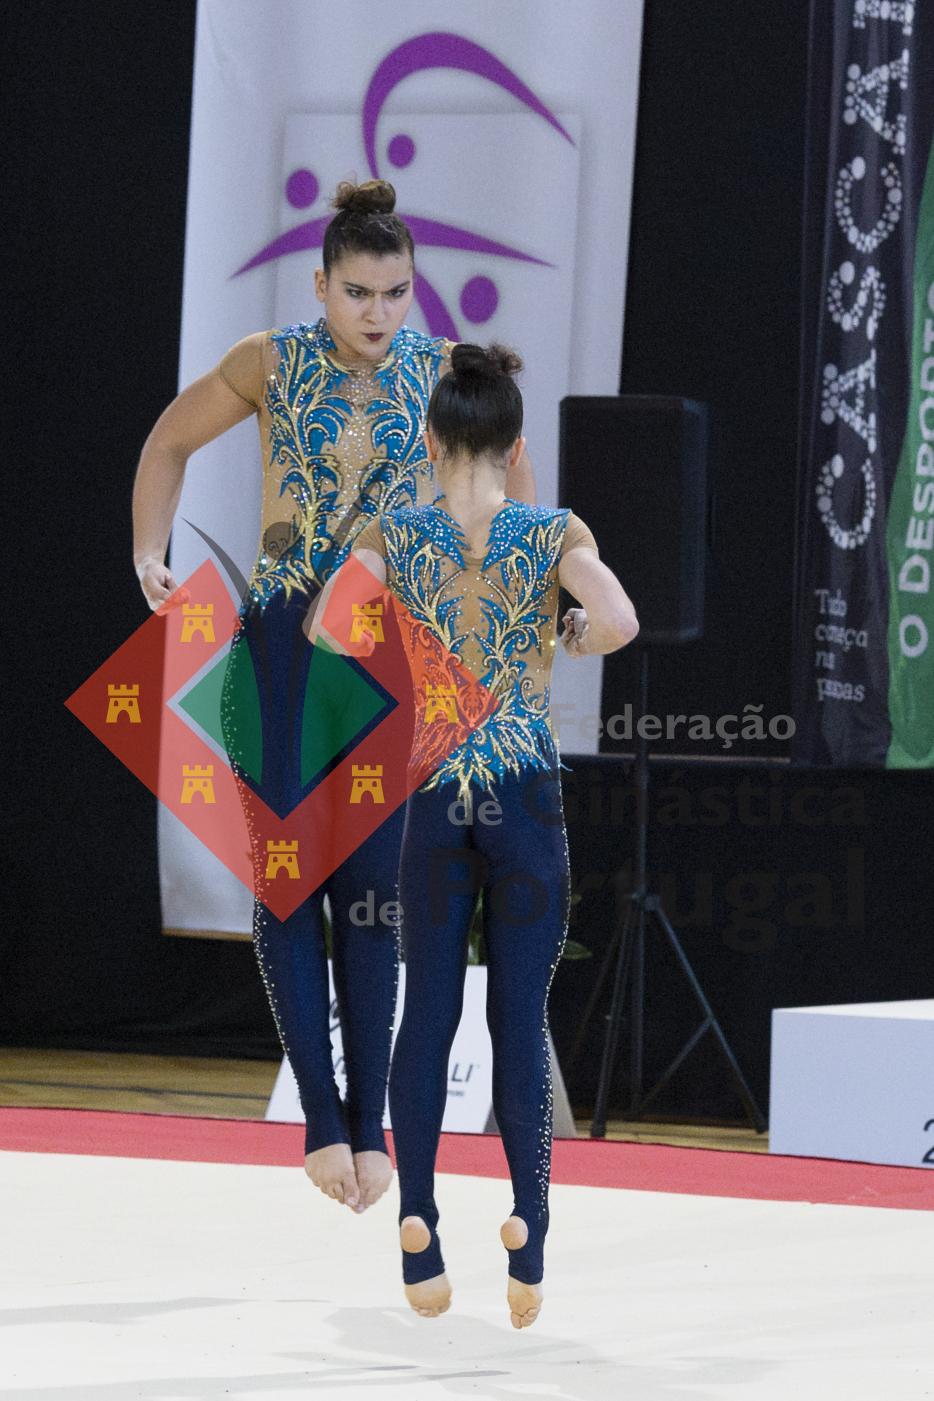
x=157 y=581
x=576 y=628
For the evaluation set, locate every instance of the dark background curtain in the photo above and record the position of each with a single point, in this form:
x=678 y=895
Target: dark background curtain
x=713 y=313
x=97 y=104
x=97 y=109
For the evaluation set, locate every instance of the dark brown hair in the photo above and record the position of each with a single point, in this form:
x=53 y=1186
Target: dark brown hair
x=365 y=223
x=477 y=407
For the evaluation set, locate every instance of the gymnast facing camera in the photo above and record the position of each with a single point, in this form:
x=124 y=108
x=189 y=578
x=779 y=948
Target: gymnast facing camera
x=328 y=397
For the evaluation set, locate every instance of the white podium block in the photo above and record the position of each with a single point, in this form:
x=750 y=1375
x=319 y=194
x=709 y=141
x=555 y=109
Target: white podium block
x=854 y=1082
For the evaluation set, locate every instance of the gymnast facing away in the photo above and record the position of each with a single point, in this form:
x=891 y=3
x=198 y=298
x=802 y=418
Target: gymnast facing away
x=481 y=573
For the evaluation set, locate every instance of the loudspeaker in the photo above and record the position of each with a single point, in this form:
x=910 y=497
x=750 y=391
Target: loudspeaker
x=634 y=468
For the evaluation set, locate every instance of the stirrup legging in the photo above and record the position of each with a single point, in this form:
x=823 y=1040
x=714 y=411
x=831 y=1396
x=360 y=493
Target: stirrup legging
x=521 y=864
x=285 y=708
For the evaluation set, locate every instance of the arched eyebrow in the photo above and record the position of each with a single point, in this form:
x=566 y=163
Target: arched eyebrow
x=359 y=287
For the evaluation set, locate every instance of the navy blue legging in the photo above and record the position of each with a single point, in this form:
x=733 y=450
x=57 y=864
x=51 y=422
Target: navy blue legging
x=291 y=953
x=521 y=865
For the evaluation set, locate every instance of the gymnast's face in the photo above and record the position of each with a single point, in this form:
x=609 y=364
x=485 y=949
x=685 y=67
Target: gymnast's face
x=366 y=299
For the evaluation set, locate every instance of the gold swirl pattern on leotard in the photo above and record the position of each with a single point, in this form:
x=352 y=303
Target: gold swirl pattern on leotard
x=345 y=444
x=496 y=615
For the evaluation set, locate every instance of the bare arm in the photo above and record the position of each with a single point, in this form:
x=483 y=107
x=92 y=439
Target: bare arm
x=606 y=619
x=202 y=412
x=520 y=480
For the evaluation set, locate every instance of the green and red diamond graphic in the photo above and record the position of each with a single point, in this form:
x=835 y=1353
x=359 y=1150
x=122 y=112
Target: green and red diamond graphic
x=394 y=709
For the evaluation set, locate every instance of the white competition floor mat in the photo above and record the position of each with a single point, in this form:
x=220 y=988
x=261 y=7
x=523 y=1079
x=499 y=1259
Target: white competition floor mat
x=128 y=1278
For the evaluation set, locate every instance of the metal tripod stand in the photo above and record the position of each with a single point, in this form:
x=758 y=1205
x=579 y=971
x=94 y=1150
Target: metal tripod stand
x=643 y=911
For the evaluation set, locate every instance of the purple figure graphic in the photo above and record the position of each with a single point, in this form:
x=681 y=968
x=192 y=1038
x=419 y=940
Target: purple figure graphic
x=401 y=151
x=301 y=189
x=479 y=297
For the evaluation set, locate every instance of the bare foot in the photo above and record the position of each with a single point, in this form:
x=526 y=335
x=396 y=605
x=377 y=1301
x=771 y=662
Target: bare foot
x=331 y=1169
x=374 y=1174
x=433 y=1296
x=525 y=1300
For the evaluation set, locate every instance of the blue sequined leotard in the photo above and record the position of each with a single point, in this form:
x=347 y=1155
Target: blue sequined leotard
x=495 y=613
x=341 y=443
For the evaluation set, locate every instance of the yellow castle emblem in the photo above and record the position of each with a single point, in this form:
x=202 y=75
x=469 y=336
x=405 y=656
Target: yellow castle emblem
x=367 y=616
x=198 y=780
x=123 y=699
x=282 y=856
x=198 y=617
x=367 y=780
x=441 y=702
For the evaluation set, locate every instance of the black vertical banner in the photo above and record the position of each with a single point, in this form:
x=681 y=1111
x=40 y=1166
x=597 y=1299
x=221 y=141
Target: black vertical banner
x=871 y=116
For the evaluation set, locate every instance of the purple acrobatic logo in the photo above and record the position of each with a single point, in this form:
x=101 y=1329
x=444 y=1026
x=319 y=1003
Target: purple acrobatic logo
x=479 y=296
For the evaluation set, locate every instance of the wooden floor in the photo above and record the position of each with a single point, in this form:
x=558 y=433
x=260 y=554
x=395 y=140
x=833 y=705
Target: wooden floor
x=200 y=1086
x=240 y=1089
x=737 y=1138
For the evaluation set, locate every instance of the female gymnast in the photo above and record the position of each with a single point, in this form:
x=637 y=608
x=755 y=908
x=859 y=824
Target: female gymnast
x=341 y=407
x=481 y=572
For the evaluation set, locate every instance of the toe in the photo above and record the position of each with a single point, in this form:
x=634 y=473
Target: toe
x=374 y=1174
x=331 y=1170
x=525 y=1302
x=431 y=1298
x=346 y=1190
x=342 y=1192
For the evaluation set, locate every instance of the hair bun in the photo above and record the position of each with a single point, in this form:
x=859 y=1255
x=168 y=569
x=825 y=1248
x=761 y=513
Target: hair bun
x=373 y=197
x=476 y=408
x=490 y=363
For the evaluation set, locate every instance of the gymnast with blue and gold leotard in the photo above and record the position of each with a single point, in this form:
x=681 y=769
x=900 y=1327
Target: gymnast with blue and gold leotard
x=340 y=406
x=481 y=573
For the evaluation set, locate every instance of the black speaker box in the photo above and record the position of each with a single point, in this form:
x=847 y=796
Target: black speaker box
x=633 y=468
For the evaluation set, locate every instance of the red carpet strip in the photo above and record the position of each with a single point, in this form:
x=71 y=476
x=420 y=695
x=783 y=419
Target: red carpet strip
x=583 y=1162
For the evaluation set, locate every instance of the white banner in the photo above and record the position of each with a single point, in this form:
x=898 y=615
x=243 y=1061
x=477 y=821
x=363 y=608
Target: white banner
x=469 y=1107
x=508 y=131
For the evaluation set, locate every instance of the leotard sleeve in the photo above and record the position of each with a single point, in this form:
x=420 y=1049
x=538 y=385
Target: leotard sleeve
x=577 y=536
x=243 y=369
